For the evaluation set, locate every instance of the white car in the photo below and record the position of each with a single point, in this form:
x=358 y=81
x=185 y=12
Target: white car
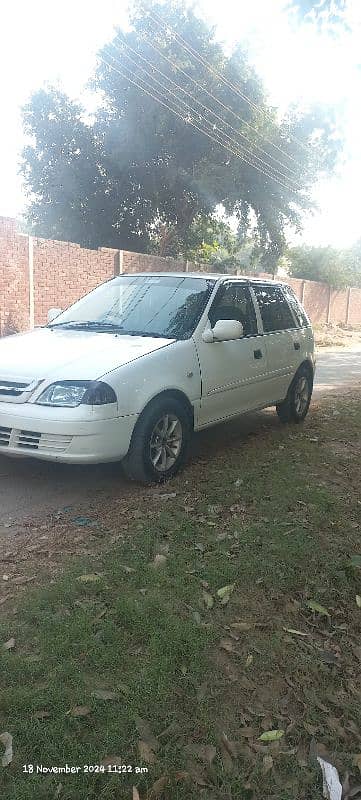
x=133 y=368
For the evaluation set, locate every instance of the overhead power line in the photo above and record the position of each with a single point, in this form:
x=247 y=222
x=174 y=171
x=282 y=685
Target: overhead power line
x=164 y=87
x=230 y=111
x=166 y=26
x=290 y=178
x=151 y=93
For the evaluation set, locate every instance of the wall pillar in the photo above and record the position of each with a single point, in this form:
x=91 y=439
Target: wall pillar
x=329 y=305
x=31 y=282
x=348 y=304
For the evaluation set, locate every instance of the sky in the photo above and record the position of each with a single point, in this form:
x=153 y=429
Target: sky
x=42 y=42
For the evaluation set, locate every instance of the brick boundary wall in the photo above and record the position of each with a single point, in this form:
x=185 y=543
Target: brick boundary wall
x=37 y=274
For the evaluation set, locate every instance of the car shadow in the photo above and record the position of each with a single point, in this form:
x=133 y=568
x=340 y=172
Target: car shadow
x=31 y=488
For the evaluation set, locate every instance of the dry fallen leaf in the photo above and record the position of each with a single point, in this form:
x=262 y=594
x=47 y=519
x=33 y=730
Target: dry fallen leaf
x=227 y=645
x=197 y=775
x=136 y=795
x=357 y=761
x=241 y=626
x=7 y=740
x=159 y=560
x=156 y=791
x=295 y=632
x=267 y=764
x=181 y=775
x=10 y=644
x=271 y=736
x=314 y=606
x=146 y=733
x=92 y=577
x=79 y=711
x=109 y=760
x=224 y=593
x=146 y=753
x=205 y=752
x=5 y=598
x=23 y=579
x=42 y=714
x=228 y=752
x=208 y=600
x=104 y=694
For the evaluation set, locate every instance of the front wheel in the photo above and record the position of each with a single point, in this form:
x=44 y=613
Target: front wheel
x=295 y=407
x=160 y=442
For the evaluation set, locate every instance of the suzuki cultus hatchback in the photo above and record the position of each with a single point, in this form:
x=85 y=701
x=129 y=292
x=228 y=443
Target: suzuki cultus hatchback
x=133 y=368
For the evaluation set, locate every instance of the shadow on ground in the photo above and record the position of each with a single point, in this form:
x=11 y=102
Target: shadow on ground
x=31 y=488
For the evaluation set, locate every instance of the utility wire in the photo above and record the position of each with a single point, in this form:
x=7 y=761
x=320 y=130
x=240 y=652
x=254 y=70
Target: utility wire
x=219 y=130
x=223 y=122
x=167 y=27
x=190 y=122
x=229 y=109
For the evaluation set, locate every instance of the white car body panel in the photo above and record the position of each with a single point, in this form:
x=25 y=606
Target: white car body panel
x=219 y=380
x=233 y=381
x=52 y=354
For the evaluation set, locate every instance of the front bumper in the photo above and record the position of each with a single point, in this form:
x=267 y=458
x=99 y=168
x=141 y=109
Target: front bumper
x=54 y=434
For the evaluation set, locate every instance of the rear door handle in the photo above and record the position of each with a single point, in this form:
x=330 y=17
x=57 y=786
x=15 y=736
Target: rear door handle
x=296 y=345
x=258 y=353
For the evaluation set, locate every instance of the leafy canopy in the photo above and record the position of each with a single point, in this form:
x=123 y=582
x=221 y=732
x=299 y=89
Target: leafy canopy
x=338 y=268
x=137 y=176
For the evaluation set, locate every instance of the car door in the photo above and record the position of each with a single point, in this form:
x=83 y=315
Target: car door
x=280 y=338
x=232 y=372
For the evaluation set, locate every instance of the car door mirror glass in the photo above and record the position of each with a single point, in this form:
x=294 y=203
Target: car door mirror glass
x=227 y=329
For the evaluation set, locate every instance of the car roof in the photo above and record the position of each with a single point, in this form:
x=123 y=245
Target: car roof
x=215 y=276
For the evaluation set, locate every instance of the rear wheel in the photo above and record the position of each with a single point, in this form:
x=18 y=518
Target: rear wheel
x=295 y=407
x=160 y=441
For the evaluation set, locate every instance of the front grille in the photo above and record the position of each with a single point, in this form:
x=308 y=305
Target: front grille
x=12 y=388
x=28 y=440
x=33 y=440
x=4 y=436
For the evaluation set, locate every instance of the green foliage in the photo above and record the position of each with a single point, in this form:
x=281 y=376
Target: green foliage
x=330 y=12
x=338 y=268
x=137 y=176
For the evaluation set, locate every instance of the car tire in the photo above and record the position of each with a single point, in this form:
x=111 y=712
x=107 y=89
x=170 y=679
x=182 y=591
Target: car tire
x=160 y=441
x=295 y=407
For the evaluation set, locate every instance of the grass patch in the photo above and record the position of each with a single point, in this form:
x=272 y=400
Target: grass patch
x=193 y=682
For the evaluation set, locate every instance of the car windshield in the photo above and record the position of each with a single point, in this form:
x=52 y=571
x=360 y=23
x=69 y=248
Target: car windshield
x=165 y=306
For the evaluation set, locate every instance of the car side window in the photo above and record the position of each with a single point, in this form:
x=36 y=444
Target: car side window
x=234 y=301
x=275 y=311
x=297 y=309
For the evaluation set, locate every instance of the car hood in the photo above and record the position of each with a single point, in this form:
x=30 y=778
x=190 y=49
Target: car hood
x=46 y=353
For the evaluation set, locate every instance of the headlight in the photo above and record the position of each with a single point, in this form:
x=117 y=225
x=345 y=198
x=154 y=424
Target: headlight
x=75 y=393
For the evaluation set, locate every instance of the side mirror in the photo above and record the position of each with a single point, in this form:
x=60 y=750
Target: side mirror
x=53 y=313
x=225 y=330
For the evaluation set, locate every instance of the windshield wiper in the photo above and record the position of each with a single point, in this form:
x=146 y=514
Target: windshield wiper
x=146 y=333
x=87 y=325
x=101 y=327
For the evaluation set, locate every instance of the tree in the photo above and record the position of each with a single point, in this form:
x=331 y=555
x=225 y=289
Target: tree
x=138 y=176
x=321 y=11
x=319 y=264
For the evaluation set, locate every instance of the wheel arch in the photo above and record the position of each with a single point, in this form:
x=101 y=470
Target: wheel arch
x=176 y=394
x=307 y=365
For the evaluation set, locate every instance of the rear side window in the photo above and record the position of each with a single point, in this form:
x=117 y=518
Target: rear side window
x=297 y=309
x=275 y=311
x=234 y=301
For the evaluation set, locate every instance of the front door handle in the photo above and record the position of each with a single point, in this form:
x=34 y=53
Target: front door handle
x=258 y=353
x=296 y=345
